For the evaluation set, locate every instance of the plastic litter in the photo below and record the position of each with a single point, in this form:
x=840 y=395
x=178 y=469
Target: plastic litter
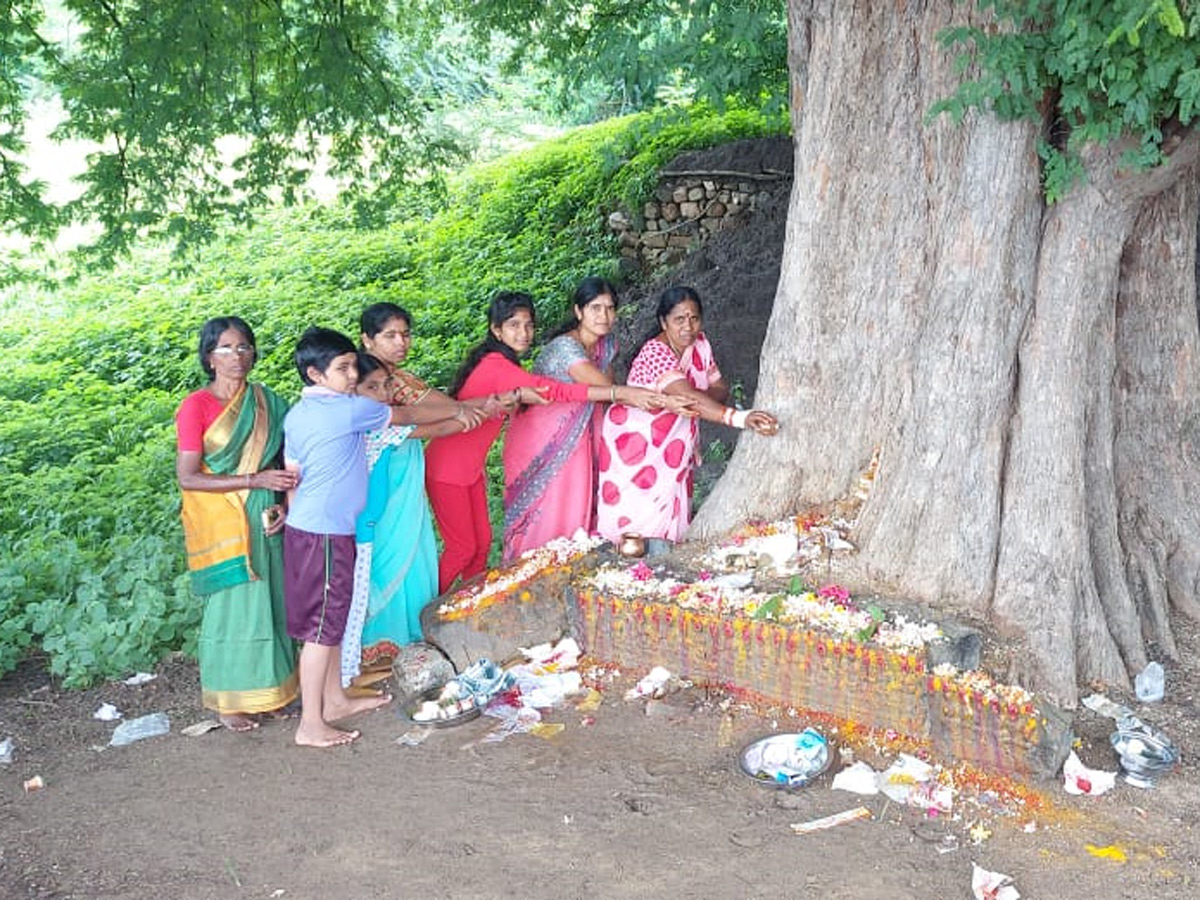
x=654 y=684
x=1150 y=683
x=899 y=779
x=850 y=815
x=1079 y=779
x=987 y=885
x=6 y=751
x=550 y=690
x=483 y=680
x=36 y=783
x=591 y=702
x=547 y=730
x=1100 y=704
x=140 y=728
x=544 y=682
x=107 y=713
x=513 y=720
x=911 y=781
x=414 y=738
x=139 y=678
x=858 y=778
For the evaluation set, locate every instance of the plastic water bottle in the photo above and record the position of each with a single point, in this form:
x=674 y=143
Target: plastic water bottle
x=1149 y=683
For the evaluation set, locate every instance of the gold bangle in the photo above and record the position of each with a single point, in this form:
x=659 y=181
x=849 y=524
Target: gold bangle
x=612 y=393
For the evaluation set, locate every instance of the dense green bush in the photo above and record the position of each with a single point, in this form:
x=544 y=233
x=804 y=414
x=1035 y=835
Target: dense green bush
x=92 y=558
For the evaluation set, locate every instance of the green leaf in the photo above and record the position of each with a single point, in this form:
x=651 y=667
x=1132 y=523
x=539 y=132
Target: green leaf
x=770 y=609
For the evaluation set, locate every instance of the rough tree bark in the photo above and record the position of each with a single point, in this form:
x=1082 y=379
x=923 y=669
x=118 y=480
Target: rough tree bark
x=1028 y=374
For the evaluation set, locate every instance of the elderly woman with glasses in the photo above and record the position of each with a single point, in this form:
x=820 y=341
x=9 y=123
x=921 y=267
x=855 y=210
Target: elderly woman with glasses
x=230 y=438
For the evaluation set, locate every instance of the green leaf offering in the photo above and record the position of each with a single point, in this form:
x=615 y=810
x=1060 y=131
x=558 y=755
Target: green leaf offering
x=770 y=609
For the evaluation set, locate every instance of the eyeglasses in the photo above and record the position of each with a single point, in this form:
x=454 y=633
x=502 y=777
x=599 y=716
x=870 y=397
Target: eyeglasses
x=240 y=350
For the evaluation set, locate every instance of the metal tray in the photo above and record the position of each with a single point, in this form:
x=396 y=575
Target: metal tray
x=768 y=759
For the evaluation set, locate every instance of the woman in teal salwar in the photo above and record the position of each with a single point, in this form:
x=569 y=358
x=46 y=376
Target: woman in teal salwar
x=395 y=573
x=229 y=437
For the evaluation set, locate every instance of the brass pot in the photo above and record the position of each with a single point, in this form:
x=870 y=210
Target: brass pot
x=632 y=545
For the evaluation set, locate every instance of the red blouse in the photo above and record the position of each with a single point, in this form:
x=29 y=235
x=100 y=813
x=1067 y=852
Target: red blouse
x=460 y=458
x=197 y=411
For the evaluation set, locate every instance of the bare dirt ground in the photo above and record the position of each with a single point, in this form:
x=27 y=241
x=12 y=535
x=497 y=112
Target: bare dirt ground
x=629 y=800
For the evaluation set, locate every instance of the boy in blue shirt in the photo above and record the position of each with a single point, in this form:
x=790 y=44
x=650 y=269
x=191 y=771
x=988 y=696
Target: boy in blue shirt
x=324 y=437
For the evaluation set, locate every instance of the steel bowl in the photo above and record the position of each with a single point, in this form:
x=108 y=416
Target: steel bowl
x=1145 y=754
x=786 y=760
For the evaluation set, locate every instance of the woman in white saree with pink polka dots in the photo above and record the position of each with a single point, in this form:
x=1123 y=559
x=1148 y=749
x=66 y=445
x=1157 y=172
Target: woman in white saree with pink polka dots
x=646 y=458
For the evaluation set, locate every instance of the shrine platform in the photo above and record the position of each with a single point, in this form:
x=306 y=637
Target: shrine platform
x=933 y=694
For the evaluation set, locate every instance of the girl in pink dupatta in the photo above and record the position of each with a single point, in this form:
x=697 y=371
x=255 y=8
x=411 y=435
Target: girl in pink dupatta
x=646 y=458
x=550 y=451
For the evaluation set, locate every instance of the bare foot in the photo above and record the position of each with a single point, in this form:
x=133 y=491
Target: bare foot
x=323 y=736
x=239 y=722
x=355 y=705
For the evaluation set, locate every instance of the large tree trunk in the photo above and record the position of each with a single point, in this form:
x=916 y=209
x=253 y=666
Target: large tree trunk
x=1027 y=374
x=1157 y=449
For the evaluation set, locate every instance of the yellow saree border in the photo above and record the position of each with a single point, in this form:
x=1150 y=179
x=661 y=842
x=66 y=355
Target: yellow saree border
x=259 y=700
x=215 y=525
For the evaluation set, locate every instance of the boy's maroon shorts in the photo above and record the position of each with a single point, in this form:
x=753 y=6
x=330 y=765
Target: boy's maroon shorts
x=318 y=583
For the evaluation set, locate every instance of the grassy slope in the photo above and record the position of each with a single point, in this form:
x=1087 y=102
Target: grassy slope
x=91 y=560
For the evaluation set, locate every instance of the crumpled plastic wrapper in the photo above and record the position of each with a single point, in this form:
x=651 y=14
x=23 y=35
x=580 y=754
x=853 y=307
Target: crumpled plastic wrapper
x=107 y=713
x=987 y=885
x=1079 y=779
x=858 y=778
x=657 y=683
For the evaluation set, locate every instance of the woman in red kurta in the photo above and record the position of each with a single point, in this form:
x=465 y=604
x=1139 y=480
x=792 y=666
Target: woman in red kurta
x=455 y=478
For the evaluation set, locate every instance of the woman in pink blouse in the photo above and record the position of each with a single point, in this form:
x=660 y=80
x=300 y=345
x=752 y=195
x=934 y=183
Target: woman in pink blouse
x=647 y=456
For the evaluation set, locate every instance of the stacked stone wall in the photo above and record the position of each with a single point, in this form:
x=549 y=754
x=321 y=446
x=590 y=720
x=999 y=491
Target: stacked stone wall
x=686 y=210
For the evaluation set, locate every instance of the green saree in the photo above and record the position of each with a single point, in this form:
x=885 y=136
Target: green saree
x=247 y=661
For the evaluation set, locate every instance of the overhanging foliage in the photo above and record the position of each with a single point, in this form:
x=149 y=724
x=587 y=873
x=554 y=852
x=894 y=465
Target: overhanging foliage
x=1109 y=69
